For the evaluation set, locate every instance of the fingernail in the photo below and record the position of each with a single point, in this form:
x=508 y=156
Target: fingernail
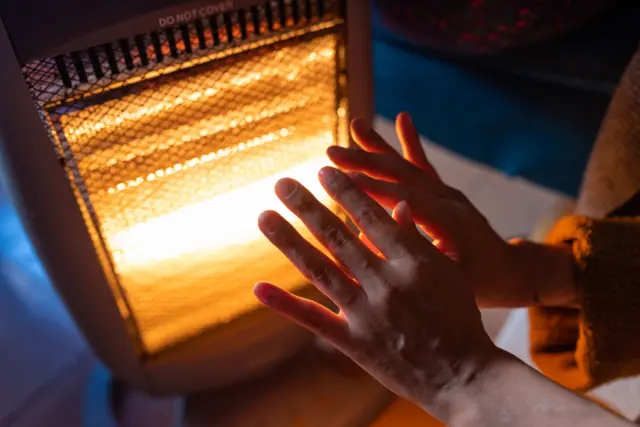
x=407 y=117
x=268 y=222
x=263 y=292
x=328 y=175
x=285 y=188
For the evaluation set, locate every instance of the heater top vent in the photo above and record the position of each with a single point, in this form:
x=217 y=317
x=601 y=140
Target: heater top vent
x=92 y=70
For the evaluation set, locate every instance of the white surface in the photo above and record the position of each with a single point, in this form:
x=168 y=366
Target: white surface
x=514 y=336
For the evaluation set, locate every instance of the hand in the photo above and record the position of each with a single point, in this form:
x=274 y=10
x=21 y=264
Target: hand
x=501 y=274
x=408 y=316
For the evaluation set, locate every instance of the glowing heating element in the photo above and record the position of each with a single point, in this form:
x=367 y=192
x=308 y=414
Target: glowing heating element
x=176 y=174
x=211 y=224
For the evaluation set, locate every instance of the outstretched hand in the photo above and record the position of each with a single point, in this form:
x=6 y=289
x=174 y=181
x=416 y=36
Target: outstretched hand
x=501 y=274
x=407 y=313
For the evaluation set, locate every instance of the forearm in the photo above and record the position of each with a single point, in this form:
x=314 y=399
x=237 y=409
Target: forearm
x=511 y=394
x=538 y=274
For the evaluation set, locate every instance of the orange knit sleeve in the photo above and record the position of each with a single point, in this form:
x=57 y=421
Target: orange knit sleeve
x=600 y=342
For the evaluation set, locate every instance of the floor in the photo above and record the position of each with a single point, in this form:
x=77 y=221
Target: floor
x=48 y=391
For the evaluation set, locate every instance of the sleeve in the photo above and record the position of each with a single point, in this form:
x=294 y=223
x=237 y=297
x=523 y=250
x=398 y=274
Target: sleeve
x=583 y=348
x=600 y=342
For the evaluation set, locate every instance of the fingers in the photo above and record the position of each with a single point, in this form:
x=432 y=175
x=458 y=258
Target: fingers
x=388 y=194
x=369 y=139
x=381 y=230
x=401 y=214
x=382 y=166
x=439 y=215
x=345 y=246
x=312 y=263
x=411 y=144
x=308 y=314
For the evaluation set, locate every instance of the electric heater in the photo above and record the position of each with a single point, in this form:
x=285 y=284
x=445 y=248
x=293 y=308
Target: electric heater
x=140 y=141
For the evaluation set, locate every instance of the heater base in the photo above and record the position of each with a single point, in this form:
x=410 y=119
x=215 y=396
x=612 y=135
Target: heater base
x=315 y=389
x=133 y=409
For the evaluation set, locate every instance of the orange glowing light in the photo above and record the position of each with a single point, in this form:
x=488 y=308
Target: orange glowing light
x=176 y=176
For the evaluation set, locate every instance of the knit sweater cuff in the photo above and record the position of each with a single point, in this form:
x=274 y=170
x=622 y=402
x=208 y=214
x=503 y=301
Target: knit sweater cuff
x=598 y=343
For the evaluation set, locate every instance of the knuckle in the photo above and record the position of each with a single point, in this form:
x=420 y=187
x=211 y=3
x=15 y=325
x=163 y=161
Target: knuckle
x=320 y=275
x=410 y=266
x=337 y=238
x=304 y=202
x=281 y=237
x=346 y=188
x=349 y=299
x=369 y=215
x=399 y=242
x=367 y=268
x=326 y=278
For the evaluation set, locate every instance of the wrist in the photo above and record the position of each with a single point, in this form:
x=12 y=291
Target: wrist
x=456 y=399
x=477 y=402
x=507 y=392
x=544 y=272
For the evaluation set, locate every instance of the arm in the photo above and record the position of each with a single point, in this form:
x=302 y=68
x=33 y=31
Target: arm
x=510 y=393
x=577 y=348
x=588 y=263
x=408 y=315
x=520 y=274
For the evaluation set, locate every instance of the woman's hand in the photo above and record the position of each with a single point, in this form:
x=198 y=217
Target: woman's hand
x=501 y=274
x=407 y=316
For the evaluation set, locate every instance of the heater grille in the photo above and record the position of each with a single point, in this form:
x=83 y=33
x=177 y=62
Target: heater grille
x=99 y=68
x=173 y=144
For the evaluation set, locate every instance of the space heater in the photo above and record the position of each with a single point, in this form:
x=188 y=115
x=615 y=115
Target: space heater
x=140 y=141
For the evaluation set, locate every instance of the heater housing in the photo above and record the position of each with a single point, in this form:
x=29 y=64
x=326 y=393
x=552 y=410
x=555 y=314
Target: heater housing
x=126 y=125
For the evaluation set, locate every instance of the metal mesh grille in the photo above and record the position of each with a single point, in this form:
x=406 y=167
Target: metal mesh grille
x=173 y=164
